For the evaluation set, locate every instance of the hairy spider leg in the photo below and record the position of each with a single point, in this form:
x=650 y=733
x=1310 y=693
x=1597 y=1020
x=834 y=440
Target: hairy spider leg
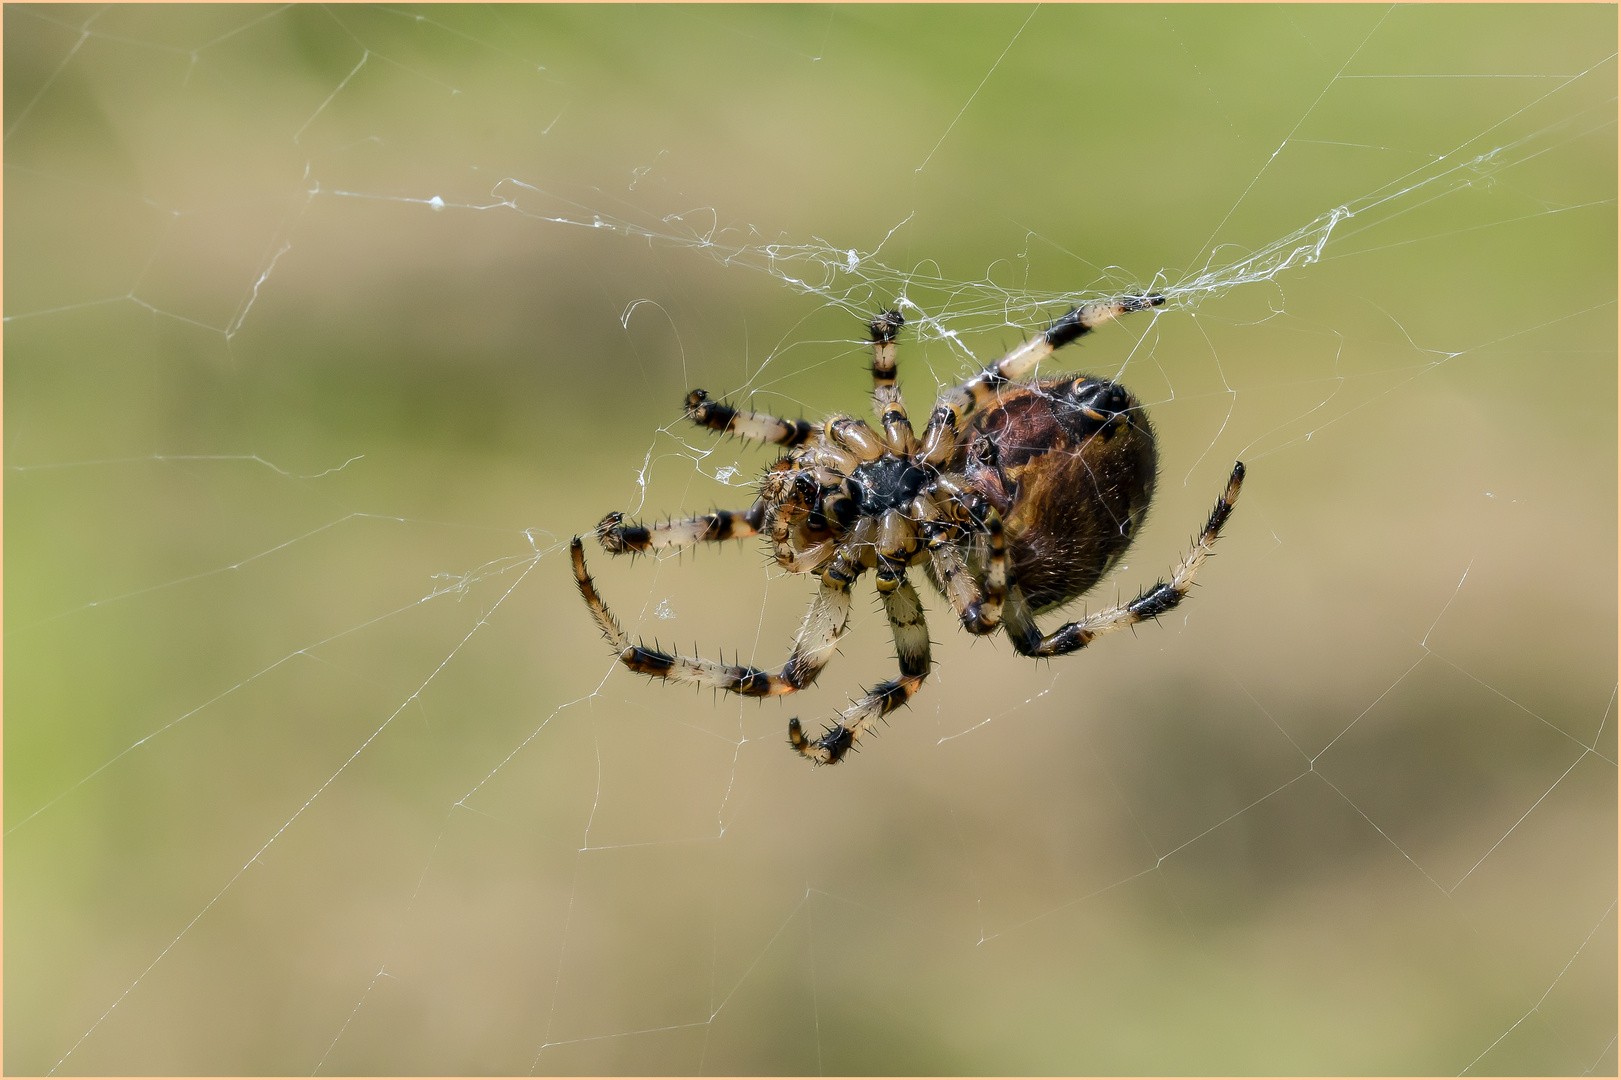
x=761 y=427
x=979 y=601
x=993 y=581
x=616 y=537
x=886 y=396
x=1028 y=639
x=948 y=424
x=911 y=632
x=824 y=624
x=883 y=327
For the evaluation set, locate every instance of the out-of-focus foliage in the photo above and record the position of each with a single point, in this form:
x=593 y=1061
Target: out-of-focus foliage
x=313 y=761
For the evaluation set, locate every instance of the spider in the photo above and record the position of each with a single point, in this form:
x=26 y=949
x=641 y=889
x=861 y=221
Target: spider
x=1016 y=499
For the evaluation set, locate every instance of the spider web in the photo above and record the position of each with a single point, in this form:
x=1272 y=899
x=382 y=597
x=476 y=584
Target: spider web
x=328 y=327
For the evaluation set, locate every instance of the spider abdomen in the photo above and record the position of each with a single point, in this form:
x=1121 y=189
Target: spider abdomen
x=1070 y=464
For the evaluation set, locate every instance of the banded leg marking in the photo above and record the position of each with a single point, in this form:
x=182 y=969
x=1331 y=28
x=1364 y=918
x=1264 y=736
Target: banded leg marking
x=883 y=329
x=1077 y=321
x=762 y=427
x=891 y=410
x=942 y=437
x=1162 y=597
x=911 y=650
x=886 y=396
x=951 y=570
x=819 y=634
x=995 y=580
x=617 y=537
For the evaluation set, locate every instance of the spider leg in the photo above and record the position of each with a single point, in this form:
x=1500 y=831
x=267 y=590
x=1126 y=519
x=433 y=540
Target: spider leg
x=948 y=424
x=762 y=427
x=617 y=537
x=884 y=327
x=1030 y=641
x=911 y=649
x=818 y=635
x=978 y=602
x=886 y=396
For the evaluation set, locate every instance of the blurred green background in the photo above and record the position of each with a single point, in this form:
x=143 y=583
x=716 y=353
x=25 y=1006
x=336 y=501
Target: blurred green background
x=314 y=762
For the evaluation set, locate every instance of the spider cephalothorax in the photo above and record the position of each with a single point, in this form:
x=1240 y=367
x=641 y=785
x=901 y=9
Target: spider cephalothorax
x=1017 y=498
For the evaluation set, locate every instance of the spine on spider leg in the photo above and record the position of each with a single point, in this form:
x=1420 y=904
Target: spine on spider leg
x=654 y=662
x=1224 y=505
x=1164 y=596
x=827 y=750
x=886 y=396
x=819 y=634
x=911 y=633
x=761 y=427
x=958 y=584
x=1154 y=602
x=593 y=600
x=1182 y=576
x=837 y=741
x=617 y=538
x=883 y=329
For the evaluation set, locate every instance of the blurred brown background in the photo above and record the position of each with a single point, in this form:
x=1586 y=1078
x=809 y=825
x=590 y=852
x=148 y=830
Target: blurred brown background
x=314 y=762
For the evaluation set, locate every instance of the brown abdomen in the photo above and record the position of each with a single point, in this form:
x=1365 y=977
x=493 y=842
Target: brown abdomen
x=1070 y=463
